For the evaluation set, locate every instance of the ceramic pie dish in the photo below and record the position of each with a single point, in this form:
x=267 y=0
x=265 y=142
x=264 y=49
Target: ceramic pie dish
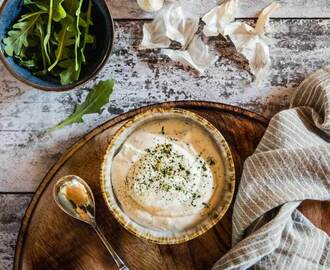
x=221 y=172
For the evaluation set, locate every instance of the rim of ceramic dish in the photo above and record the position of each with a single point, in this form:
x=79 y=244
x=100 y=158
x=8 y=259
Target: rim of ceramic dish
x=61 y=88
x=217 y=213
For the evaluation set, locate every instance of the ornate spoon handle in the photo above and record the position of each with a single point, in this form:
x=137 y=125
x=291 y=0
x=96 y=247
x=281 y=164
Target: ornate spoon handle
x=121 y=265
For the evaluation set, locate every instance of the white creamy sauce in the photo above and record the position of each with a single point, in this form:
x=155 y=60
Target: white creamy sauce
x=167 y=175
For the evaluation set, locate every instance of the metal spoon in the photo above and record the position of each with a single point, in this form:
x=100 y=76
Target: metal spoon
x=74 y=197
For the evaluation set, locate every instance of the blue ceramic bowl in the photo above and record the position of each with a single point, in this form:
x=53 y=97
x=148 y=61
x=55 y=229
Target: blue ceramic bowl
x=103 y=29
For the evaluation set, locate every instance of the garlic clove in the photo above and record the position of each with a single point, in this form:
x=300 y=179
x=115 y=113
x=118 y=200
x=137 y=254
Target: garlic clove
x=219 y=17
x=150 y=5
x=172 y=23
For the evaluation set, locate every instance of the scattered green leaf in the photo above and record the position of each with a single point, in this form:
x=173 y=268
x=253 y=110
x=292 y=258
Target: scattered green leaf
x=95 y=100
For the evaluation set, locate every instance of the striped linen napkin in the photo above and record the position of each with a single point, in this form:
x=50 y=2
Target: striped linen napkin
x=291 y=164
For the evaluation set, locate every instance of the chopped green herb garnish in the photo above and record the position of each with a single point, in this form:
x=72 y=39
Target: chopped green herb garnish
x=204 y=167
x=164 y=169
x=205 y=204
x=210 y=161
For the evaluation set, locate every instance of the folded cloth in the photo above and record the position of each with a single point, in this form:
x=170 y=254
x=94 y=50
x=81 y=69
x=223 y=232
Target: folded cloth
x=290 y=164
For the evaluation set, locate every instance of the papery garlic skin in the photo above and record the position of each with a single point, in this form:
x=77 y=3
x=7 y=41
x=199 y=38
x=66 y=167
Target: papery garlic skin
x=154 y=36
x=181 y=26
x=196 y=56
x=260 y=61
x=150 y=5
x=219 y=17
x=172 y=23
x=251 y=42
x=252 y=46
x=263 y=18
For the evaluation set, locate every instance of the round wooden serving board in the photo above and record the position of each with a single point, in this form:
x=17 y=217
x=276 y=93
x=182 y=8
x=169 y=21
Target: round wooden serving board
x=50 y=239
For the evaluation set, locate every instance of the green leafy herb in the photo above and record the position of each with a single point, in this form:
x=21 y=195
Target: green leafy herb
x=78 y=34
x=51 y=38
x=65 y=38
x=30 y=64
x=87 y=37
x=69 y=73
x=95 y=100
x=41 y=34
x=59 y=12
x=49 y=29
x=17 y=38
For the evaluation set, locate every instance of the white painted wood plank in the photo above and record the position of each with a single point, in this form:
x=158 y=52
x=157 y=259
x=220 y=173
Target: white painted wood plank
x=128 y=9
x=27 y=152
x=11 y=214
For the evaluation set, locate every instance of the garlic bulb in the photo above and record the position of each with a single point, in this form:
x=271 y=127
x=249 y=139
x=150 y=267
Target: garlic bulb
x=171 y=23
x=219 y=17
x=252 y=43
x=150 y=5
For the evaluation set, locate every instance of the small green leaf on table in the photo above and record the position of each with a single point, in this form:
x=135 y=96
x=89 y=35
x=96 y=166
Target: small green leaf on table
x=95 y=100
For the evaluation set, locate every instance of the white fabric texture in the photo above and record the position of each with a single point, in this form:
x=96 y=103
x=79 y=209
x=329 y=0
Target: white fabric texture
x=290 y=164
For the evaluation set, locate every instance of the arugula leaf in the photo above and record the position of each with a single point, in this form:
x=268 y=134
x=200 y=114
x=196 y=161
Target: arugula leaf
x=69 y=73
x=51 y=38
x=59 y=12
x=71 y=6
x=38 y=3
x=78 y=34
x=87 y=37
x=49 y=29
x=30 y=63
x=55 y=12
x=65 y=38
x=27 y=16
x=40 y=33
x=67 y=32
x=95 y=100
x=18 y=37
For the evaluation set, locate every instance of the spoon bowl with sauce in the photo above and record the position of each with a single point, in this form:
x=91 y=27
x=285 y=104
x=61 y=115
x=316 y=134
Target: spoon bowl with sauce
x=73 y=195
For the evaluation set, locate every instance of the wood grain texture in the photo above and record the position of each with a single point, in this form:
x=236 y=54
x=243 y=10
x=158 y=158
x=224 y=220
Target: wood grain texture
x=128 y=9
x=26 y=152
x=12 y=209
x=146 y=77
x=318 y=213
x=46 y=243
x=43 y=245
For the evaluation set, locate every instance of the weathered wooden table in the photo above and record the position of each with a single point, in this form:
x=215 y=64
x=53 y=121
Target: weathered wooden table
x=300 y=44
